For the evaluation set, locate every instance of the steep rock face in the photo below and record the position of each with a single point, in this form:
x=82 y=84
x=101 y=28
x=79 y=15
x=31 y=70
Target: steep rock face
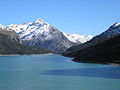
x=112 y=32
x=9 y=44
x=56 y=41
x=11 y=34
x=42 y=34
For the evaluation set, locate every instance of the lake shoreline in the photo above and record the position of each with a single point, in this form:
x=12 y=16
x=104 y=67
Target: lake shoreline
x=97 y=62
x=74 y=60
x=25 y=54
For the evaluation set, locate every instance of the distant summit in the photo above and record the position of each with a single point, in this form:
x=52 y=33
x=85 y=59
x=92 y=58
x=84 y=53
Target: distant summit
x=78 y=38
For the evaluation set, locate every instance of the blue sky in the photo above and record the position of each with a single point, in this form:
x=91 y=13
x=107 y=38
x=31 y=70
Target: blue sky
x=70 y=16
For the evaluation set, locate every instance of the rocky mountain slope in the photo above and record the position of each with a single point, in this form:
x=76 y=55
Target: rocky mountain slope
x=102 y=48
x=42 y=34
x=9 y=44
x=113 y=31
x=105 y=52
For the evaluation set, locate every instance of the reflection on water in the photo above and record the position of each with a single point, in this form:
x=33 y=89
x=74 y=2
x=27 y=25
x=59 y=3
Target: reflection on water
x=101 y=72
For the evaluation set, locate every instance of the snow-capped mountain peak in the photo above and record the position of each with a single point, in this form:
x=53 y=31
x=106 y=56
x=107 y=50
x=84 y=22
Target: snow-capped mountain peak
x=113 y=30
x=76 y=38
x=28 y=30
x=40 y=28
x=42 y=34
x=40 y=22
x=116 y=24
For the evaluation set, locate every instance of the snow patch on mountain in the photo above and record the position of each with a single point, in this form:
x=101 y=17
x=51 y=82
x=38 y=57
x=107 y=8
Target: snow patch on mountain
x=30 y=30
x=113 y=30
x=116 y=24
x=76 y=38
x=2 y=26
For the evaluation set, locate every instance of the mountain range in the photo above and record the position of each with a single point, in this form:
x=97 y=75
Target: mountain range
x=42 y=34
x=31 y=38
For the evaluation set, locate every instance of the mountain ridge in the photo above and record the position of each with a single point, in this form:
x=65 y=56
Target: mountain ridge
x=112 y=31
x=42 y=34
x=104 y=48
x=105 y=52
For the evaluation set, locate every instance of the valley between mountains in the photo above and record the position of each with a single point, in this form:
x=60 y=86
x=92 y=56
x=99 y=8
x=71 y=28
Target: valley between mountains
x=41 y=37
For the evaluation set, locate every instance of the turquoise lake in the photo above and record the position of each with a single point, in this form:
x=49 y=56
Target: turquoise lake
x=54 y=72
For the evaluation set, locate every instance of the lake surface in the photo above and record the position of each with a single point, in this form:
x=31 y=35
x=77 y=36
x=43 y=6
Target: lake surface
x=54 y=72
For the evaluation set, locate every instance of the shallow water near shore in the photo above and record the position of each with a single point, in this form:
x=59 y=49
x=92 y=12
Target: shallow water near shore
x=54 y=72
